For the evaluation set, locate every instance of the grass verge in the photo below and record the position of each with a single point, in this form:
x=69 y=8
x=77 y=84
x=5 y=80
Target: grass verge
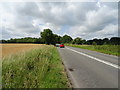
x=107 y=49
x=38 y=68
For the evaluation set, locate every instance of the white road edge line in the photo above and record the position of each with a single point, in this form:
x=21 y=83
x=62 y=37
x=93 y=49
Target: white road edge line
x=102 y=61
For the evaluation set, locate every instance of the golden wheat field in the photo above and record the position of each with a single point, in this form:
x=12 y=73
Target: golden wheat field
x=9 y=49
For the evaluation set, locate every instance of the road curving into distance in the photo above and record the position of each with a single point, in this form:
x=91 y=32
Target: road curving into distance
x=90 y=69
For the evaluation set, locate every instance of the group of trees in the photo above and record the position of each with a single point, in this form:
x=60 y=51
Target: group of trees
x=23 y=40
x=51 y=38
x=105 y=41
x=48 y=37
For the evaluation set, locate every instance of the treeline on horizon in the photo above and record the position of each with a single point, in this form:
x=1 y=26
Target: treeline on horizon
x=47 y=37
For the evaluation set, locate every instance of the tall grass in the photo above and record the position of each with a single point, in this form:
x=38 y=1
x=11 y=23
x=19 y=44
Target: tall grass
x=38 y=68
x=107 y=49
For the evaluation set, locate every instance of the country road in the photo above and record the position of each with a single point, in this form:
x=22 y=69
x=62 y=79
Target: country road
x=90 y=69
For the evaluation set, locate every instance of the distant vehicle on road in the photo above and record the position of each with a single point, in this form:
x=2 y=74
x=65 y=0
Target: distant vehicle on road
x=57 y=45
x=62 y=45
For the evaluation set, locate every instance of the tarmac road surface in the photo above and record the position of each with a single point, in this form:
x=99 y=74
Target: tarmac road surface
x=90 y=69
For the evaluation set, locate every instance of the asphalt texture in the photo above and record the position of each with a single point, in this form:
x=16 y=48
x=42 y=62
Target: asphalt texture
x=86 y=69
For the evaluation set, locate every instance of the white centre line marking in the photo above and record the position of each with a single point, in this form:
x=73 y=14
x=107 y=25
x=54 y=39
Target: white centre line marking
x=102 y=61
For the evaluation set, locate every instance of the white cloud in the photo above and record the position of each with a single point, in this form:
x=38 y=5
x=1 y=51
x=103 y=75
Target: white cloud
x=98 y=20
x=85 y=19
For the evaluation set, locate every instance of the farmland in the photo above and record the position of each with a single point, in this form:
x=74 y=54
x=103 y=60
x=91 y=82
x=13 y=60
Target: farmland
x=9 y=49
x=32 y=66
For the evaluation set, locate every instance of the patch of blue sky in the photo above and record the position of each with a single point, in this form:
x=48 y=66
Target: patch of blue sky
x=64 y=30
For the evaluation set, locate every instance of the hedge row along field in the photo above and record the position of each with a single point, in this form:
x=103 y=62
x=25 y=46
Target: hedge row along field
x=37 y=68
x=107 y=49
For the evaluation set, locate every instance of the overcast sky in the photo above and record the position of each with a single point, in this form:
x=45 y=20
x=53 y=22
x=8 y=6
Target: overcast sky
x=87 y=20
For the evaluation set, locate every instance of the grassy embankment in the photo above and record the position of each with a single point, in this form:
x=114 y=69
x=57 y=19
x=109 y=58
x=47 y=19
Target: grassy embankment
x=107 y=49
x=37 y=68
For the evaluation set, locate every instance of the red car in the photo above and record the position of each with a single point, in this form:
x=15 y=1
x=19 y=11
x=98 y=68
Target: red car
x=62 y=45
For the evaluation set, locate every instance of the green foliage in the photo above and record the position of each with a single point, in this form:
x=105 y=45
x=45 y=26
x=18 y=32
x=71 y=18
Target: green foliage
x=38 y=68
x=112 y=41
x=105 y=43
x=57 y=38
x=48 y=36
x=107 y=49
x=77 y=41
x=24 y=40
x=66 y=39
x=94 y=43
x=115 y=41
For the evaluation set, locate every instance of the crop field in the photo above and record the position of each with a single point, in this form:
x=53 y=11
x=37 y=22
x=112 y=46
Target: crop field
x=32 y=66
x=9 y=49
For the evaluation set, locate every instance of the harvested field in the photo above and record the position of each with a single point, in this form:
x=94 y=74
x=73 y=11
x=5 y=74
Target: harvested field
x=9 y=49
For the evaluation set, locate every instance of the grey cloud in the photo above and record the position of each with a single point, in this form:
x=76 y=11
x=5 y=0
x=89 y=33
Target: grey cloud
x=27 y=9
x=83 y=19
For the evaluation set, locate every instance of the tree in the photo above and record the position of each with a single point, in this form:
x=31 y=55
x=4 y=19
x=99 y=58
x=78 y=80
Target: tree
x=115 y=40
x=3 y=41
x=12 y=40
x=48 y=36
x=98 y=41
x=57 y=38
x=77 y=41
x=94 y=43
x=89 y=42
x=66 y=39
x=105 y=41
x=84 y=41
